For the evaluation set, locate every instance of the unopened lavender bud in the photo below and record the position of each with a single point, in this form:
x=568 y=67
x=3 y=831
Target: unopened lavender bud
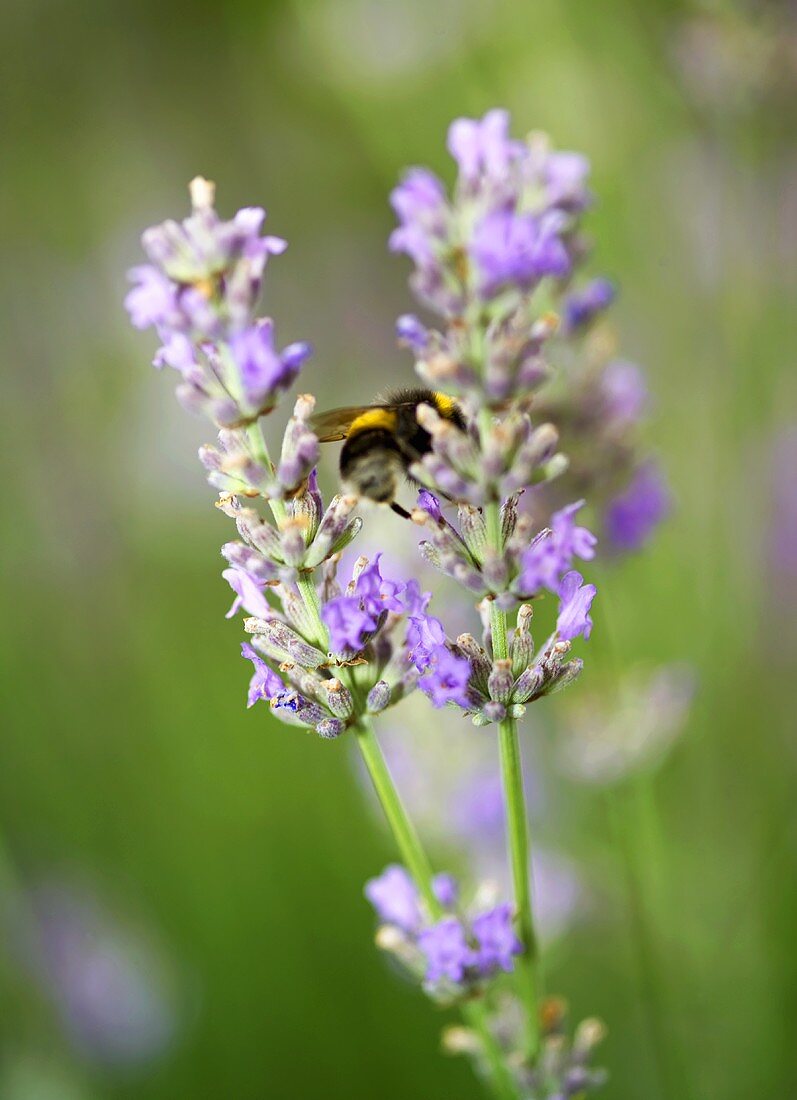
x=429 y=553
x=259 y=534
x=479 y=663
x=294 y=709
x=474 y=530
x=300 y=447
x=589 y=1034
x=357 y=569
x=308 y=508
x=202 y=192
x=378 y=697
x=494 y=570
x=528 y=684
x=541 y=445
x=292 y=541
x=244 y=557
x=445 y=372
x=339 y=699
x=196 y=400
x=509 y=517
x=500 y=681
x=411 y=332
x=335 y=531
x=557 y=466
x=390 y=938
x=460 y=1040
x=522 y=648
x=493 y=711
x=296 y=610
x=330 y=728
x=565 y=676
x=516 y=710
x=279 y=636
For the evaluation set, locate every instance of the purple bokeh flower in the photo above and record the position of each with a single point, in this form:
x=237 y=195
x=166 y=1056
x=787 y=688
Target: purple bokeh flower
x=518 y=248
x=394 y=896
x=109 y=984
x=447 y=951
x=483 y=146
x=565 y=178
x=152 y=301
x=632 y=517
x=420 y=204
x=446 y=890
x=575 y=600
x=582 y=306
x=624 y=390
x=496 y=937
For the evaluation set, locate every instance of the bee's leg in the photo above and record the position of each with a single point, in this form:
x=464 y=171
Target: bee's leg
x=399 y=510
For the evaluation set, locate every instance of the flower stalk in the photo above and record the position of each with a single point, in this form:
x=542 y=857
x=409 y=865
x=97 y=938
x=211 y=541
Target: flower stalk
x=517 y=830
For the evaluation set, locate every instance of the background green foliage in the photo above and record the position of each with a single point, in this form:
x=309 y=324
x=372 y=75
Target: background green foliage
x=127 y=755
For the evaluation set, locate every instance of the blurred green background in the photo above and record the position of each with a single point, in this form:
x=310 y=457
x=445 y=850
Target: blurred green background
x=234 y=851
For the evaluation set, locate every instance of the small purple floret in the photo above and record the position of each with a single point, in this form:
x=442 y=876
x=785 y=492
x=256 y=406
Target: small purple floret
x=575 y=600
x=447 y=952
x=394 y=896
x=496 y=938
x=264 y=684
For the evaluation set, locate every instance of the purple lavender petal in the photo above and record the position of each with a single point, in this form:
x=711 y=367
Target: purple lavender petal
x=446 y=890
x=517 y=248
x=575 y=600
x=446 y=949
x=348 y=624
x=394 y=896
x=446 y=678
x=249 y=594
x=153 y=299
x=425 y=635
x=483 y=145
x=496 y=938
x=265 y=684
x=582 y=306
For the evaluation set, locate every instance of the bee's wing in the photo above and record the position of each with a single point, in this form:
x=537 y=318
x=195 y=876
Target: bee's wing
x=334 y=424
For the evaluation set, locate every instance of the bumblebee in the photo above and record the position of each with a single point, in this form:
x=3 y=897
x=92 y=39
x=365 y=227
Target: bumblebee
x=383 y=440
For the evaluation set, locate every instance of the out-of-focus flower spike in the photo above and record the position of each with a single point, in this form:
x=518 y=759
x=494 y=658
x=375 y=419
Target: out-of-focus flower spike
x=522 y=647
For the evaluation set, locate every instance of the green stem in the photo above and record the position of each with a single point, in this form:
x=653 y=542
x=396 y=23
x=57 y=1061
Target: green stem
x=403 y=830
x=517 y=833
x=416 y=860
x=517 y=827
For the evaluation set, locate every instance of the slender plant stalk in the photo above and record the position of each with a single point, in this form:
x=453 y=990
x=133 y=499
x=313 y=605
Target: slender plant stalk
x=517 y=827
x=415 y=858
x=404 y=833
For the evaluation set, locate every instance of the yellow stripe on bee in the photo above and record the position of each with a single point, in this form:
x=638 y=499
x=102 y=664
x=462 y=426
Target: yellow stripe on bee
x=445 y=405
x=374 y=418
